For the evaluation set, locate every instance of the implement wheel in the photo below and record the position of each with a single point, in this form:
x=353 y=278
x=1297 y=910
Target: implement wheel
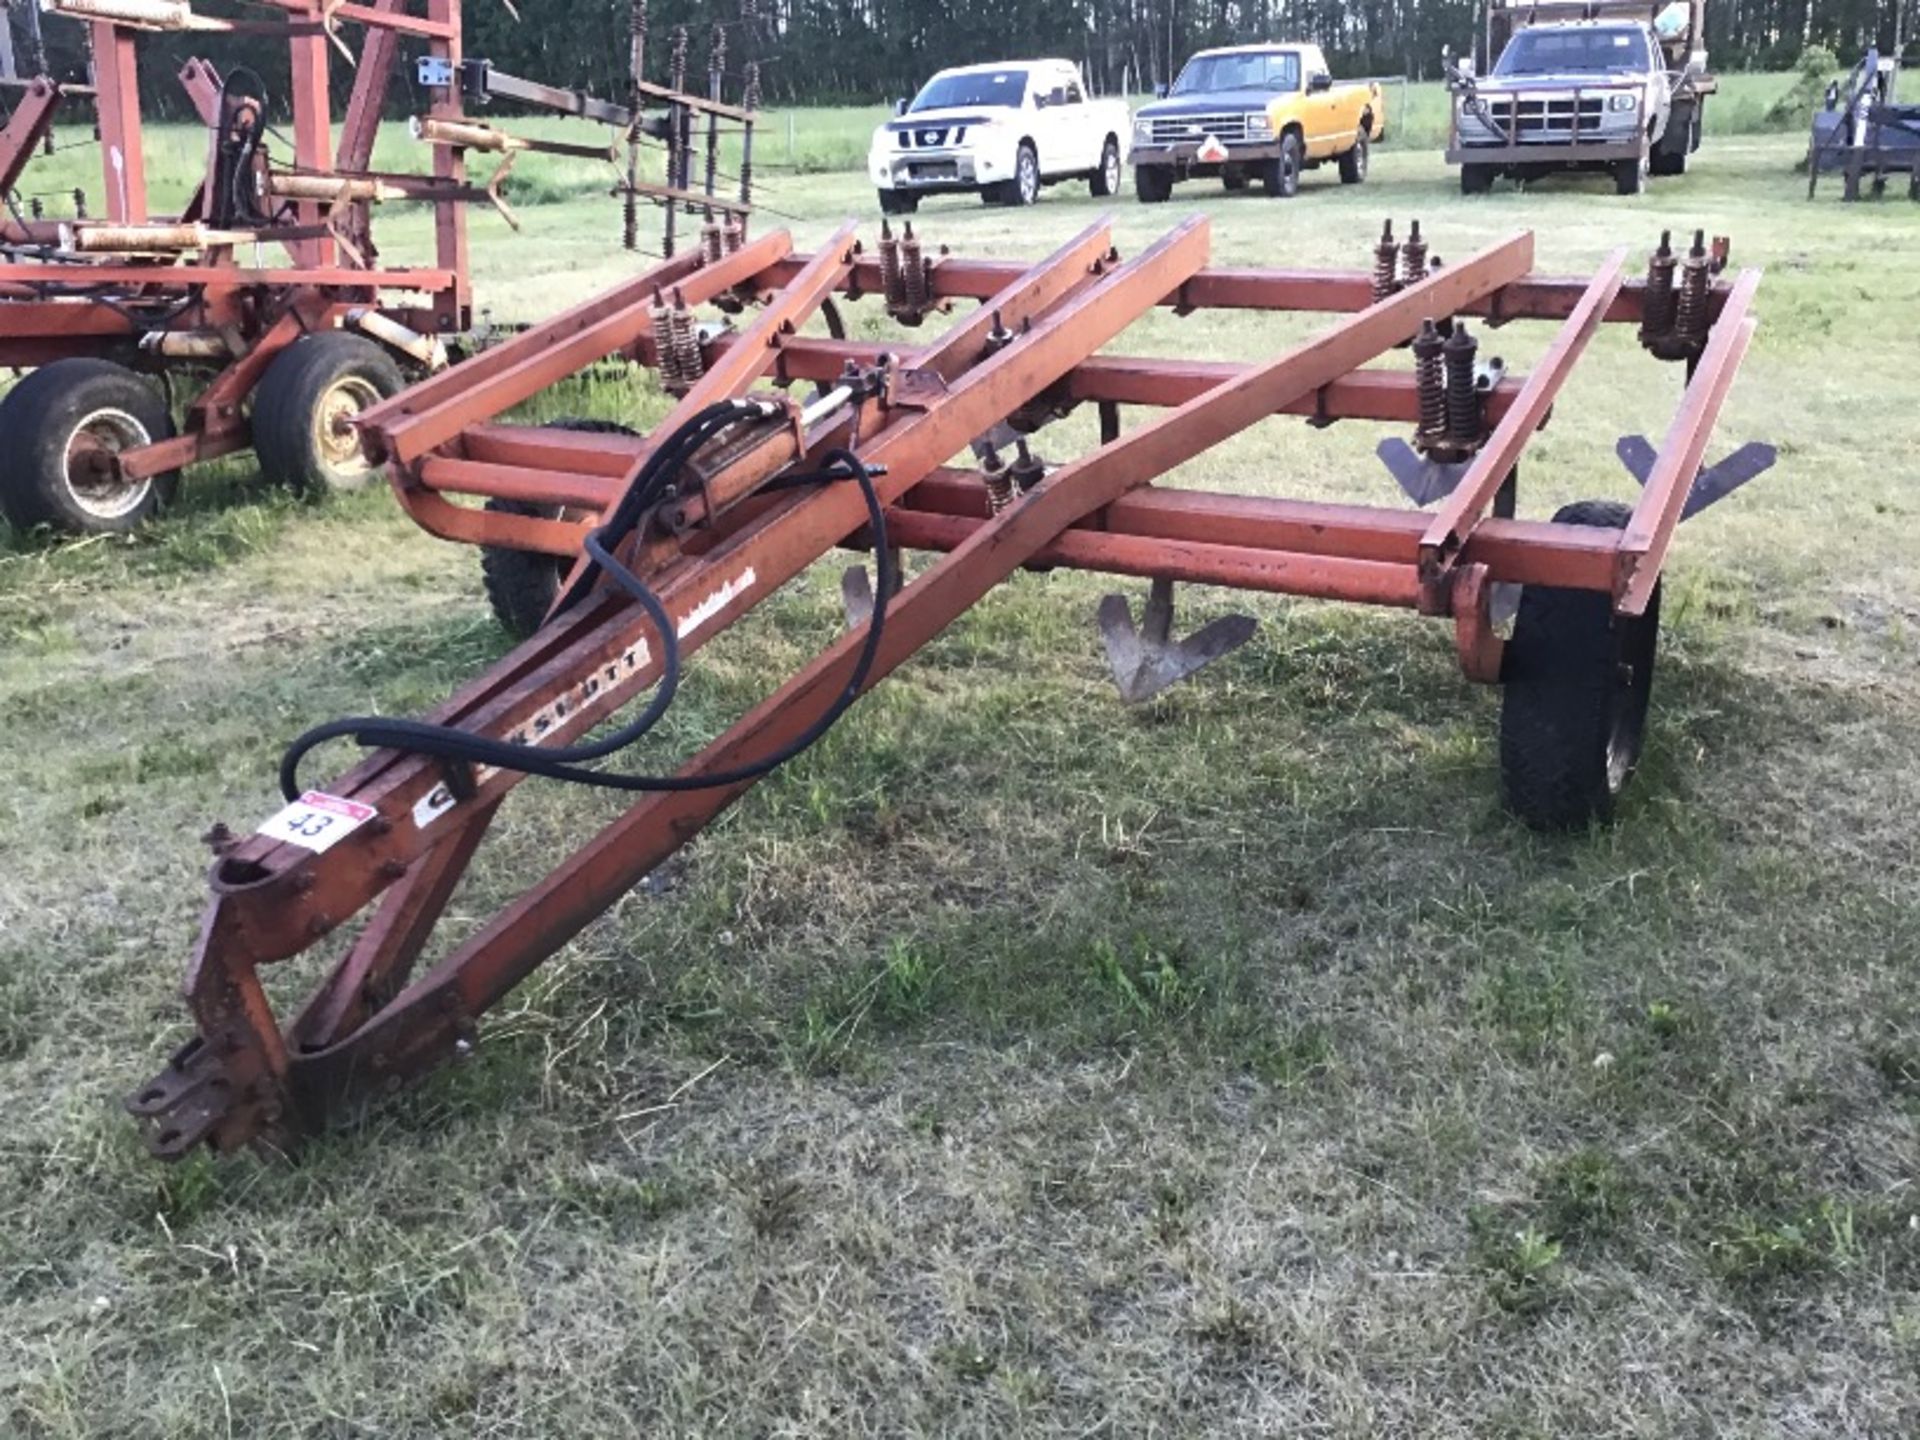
x=59 y=431
x=1576 y=679
x=523 y=584
x=304 y=409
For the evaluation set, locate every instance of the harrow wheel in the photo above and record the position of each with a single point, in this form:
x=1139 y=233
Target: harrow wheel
x=1576 y=680
x=303 y=411
x=59 y=431
x=523 y=584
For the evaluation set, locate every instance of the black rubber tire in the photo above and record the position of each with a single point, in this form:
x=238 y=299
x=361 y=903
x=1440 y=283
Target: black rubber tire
x=1280 y=176
x=1476 y=179
x=335 y=369
x=1105 y=181
x=79 y=399
x=1152 y=184
x=898 y=202
x=1234 y=182
x=1629 y=177
x=523 y=584
x=1575 y=681
x=1024 y=188
x=1353 y=164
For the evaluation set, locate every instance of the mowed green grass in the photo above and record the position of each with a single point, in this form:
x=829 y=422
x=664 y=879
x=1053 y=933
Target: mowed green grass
x=1015 y=1062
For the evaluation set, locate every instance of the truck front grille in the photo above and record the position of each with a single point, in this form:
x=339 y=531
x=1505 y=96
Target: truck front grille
x=1184 y=129
x=1549 y=118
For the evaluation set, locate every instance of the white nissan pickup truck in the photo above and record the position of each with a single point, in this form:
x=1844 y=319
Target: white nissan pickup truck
x=1002 y=131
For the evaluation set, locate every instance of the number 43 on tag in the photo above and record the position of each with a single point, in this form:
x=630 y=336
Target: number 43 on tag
x=317 y=821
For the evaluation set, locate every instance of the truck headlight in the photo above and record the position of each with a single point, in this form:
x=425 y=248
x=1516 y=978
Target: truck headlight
x=1260 y=127
x=1623 y=101
x=1143 y=129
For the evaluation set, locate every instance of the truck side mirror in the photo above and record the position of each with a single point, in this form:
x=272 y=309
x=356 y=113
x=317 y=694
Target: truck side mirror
x=1319 y=82
x=900 y=106
x=1160 y=91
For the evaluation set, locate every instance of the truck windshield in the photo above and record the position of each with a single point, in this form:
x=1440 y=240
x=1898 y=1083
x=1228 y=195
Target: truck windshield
x=1575 y=52
x=973 y=87
x=1257 y=70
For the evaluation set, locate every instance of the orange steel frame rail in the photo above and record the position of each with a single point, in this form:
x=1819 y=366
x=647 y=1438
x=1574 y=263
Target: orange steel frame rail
x=64 y=305
x=393 y=835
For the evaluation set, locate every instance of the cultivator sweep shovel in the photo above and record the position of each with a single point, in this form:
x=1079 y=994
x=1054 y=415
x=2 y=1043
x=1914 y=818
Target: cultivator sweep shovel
x=639 y=549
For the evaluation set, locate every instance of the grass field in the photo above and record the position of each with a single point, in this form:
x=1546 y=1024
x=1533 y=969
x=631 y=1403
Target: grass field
x=1013 y=1062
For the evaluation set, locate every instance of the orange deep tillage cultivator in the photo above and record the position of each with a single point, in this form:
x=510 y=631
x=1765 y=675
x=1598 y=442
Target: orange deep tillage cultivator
x=621 y=554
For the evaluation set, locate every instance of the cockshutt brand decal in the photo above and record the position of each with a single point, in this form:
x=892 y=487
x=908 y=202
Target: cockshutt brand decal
x=545 y=721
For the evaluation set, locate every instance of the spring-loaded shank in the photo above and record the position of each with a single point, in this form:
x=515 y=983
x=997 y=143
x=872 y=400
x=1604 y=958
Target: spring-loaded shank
x=1413 y=256
x=1463 y=402
x=1430 y=384
x=1658 y=307
x=1386 y=264
x=1690 y=315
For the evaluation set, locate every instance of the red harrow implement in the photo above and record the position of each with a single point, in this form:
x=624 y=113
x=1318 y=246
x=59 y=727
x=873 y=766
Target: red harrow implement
x=643 y=547
x=265 y=299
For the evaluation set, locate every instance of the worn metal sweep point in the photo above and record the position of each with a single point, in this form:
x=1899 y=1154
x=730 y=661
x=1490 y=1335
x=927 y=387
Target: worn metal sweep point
x=1146 y=659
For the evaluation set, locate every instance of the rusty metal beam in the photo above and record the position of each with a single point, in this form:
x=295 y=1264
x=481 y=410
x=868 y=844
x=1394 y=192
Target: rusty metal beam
x=1490 y=468
x=1643 y=544
x=417 y=420
x=1534 y=297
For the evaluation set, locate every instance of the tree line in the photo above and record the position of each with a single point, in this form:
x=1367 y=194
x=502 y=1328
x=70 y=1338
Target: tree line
x=859 y=51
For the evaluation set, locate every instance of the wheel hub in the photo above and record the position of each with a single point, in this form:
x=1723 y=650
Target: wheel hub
x=92 y=463
x=334 y=436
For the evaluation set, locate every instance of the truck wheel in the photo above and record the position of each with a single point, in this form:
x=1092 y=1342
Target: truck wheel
x=1681 y=139
x=1235 y=180
x=1281 y=175
x=1152 y=183
x=1575 y=680
x=1476 y=179
x=898 y=202
x=1353 y=164
x=60 y=428
x=1024 y=188
x=1106 y=180
x=1630 y=176
x=303 y=411
x=523 y=584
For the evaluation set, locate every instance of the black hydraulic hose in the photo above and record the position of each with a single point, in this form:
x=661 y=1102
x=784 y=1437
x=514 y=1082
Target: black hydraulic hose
x=561 y=763
x=646 y=487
